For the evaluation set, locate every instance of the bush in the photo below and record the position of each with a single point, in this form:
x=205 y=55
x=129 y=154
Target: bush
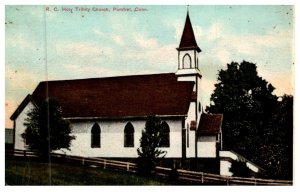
x=240 y=169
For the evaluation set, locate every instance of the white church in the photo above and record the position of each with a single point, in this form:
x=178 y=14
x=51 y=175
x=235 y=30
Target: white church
x=108 y=115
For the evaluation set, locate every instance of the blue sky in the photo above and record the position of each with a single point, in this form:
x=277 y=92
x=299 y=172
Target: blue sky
x=41 y=45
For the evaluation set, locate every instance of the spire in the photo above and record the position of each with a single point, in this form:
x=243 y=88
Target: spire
x=188 y=40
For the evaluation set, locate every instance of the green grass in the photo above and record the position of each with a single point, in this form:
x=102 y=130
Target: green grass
x=30 y=172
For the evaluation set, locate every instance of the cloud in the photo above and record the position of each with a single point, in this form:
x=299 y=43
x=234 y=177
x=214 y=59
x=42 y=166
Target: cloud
x=118 y=39
x=83 y=49
x=19 y=79
x=178 y=30
x=19 y=41
x=19 y=83
x=98 y=71
x=207 y=88
x=282 y=81
x=215 y=31
x=88 y=70
x=98 y=32
x=221 y=45
x=159 y=55
x=143 y=42
x=223 y=55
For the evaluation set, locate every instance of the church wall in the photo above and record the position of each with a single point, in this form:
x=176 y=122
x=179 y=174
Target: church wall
x=112 y=139
x=20 y=128
x=188 y=78
x=200 y=100
x=190 y=150
x=193 y=109
x=206 y=146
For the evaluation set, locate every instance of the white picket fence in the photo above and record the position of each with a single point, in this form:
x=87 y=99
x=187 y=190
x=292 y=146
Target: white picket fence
x=183 y=175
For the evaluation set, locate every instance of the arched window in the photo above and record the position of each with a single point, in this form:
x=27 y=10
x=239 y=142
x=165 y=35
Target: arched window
x=187 y=61
x=129 y=135
x=165 y=142
x=96 y=136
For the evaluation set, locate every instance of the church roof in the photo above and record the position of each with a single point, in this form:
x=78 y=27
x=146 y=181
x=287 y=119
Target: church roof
x=118 y=97
x=21 y=107
x=210 y=124
x=188 y=40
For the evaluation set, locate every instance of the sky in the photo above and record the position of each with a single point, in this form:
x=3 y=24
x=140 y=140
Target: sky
x=55 y=43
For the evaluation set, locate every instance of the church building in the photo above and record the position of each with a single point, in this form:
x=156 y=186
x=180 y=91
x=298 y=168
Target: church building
x=108 y=115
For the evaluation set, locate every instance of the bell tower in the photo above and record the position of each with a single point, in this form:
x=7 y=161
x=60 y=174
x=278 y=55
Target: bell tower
x=188 y=52
x=188 y=65
x=188 y=70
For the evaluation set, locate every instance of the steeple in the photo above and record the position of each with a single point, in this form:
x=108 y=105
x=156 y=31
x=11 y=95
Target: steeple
x=188 y=41
x=188 y=70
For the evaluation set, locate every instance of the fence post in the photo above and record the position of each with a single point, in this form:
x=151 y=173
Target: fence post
x=104 y=164
x=202 y=179
x=127 y=167
x=82 y=160
x=227 y=180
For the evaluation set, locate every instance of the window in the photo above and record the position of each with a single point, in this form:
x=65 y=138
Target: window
x=96 y=136
x=187 y=61
x=165 y=142
x=129 y=135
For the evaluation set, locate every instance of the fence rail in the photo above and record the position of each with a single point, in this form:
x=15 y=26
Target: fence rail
x=183 y=175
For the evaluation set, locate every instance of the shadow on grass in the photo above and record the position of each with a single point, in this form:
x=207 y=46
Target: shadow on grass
x=20 y=171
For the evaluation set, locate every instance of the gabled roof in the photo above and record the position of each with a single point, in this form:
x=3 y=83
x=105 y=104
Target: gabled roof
x=188 y=41
x=210 y=124
x=20 y=108
x=117 y=97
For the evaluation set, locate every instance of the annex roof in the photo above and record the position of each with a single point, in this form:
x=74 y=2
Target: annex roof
x=210 y=124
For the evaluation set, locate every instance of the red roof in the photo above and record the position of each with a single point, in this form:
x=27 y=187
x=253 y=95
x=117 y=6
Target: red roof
x=117 y=97
x=210 y=124
x=188 y=41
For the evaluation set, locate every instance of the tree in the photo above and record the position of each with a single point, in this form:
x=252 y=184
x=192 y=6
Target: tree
x=255 y=123
x=246 y=101
x=278 y=142
x=46 y=130
x=149 y=150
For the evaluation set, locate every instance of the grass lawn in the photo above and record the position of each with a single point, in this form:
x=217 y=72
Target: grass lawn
x=31 y=172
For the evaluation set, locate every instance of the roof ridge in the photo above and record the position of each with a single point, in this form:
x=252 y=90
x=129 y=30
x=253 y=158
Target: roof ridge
x=110 y=77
